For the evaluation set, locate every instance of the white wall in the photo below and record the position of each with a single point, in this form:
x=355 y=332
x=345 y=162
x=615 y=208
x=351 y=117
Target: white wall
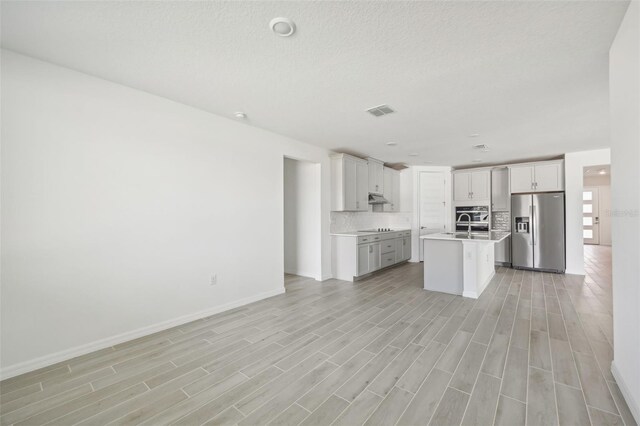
x=117 y=206
x=624 y=76
x=302 y=232
x=574 y=163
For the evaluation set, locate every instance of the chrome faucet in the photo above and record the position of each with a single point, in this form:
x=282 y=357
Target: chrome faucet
x=468 y=222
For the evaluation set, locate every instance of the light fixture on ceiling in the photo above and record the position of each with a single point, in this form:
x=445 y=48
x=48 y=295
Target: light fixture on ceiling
x=240 y=115
x=392 y=143
x=602 y=172
x=283 y=27
x=413 y=154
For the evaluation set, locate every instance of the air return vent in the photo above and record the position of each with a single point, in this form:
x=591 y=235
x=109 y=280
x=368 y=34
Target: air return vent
x=380 y=110
x=481 y=147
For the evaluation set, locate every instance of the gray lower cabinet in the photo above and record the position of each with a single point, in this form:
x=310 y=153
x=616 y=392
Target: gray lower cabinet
x=368 y=258
x=503 y=251
x=356 y=256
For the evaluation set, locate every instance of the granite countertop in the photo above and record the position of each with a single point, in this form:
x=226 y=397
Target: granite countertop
x=493 y=236
x=363 y=233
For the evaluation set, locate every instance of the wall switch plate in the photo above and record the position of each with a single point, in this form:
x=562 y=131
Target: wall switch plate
x=214 y=279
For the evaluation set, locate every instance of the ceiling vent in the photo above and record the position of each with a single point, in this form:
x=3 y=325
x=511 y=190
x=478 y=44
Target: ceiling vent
x=380 y=110
x=481 y=147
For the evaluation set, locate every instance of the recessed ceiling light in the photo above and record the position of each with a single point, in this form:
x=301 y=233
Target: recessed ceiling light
x=474 y=135
x=477 y=160
x=283 y=27
x=602 y=172
x=392 y=143
x=413 y=154
x=240 y=115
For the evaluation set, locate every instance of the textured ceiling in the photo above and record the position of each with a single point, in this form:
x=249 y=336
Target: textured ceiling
x=531 y=78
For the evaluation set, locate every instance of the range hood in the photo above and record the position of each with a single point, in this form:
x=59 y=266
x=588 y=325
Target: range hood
x=377 y=199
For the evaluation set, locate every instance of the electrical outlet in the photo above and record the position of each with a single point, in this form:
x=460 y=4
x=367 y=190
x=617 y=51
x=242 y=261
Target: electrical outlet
x=214 y=279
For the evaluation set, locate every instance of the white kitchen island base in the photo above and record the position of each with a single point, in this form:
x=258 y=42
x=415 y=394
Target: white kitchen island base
x=458 y=263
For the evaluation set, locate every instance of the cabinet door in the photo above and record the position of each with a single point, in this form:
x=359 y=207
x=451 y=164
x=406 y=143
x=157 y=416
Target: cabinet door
x=388 y=189
x=480 y=185
x=395 y=200
x=461 y=187
x=349 y=182
x=363 y=259
x=374 y=257
x=521 y=179
x=500 y=190
x=362 y=192
x=406 y=248
x=548 y=177
x=375 y=177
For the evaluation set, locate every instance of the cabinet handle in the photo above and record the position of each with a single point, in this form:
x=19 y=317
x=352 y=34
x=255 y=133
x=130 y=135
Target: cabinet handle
x=370 y=249
x=376 y=238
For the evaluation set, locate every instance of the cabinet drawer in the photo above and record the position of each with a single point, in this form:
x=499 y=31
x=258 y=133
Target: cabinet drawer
x=388 y=246
x=387 y=259
x=368 y=239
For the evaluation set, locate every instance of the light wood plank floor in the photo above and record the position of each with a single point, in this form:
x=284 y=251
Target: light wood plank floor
x=534 y=348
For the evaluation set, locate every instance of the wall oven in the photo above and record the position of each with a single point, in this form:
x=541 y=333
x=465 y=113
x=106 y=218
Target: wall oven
x=478 y=216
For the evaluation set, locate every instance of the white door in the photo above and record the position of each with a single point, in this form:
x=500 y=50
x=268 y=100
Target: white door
x=521 y=179
x=461 y=186
x=432 y=204
x=548 y=177
x=590 y=216
x=480 y=185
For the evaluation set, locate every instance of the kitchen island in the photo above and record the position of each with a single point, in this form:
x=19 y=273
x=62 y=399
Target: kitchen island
x=460 y=263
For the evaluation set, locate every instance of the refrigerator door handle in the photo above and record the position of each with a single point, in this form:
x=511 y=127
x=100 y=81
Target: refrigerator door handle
x=533 y=222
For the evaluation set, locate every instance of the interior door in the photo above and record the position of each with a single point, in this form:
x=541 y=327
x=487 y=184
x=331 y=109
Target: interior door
x=432 y=204
x=590 y=215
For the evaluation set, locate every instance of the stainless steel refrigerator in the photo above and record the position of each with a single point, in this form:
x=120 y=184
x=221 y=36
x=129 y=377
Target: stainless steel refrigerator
x=538 y=231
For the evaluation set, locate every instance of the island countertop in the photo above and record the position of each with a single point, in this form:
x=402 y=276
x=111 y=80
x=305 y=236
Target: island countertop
x=493 y=236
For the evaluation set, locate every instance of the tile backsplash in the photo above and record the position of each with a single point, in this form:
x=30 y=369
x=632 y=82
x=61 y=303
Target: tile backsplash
x=352 y=221
x=501 y=221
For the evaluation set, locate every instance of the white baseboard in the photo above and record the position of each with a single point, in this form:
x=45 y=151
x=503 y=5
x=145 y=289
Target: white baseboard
x=47 y=360
x=624 y=389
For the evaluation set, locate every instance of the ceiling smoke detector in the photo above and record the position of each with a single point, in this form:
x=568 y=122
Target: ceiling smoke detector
x=240 y=115
x=380 y=110
x=283 y=27
x=392 y=143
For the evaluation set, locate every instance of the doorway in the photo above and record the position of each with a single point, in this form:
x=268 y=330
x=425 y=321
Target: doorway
x=596 y=205
x=302 y=224
x=432 y=204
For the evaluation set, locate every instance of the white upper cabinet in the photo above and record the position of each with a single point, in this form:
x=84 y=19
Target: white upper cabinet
x=537 y=177
x=349 y=182
x=391 y=190
x=500 y=190
x=461 y=186
x=376 y=176
x=549 y=177
x=480 y=185
x=471 y=186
